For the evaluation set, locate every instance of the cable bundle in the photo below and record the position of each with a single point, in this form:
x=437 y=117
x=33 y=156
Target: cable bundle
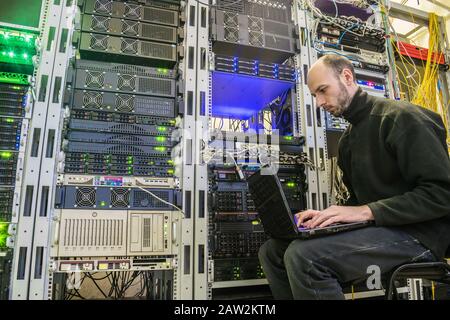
x=429 y=94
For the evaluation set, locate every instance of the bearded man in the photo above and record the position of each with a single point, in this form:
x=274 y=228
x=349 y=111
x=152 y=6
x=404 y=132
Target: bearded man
x=396 y=167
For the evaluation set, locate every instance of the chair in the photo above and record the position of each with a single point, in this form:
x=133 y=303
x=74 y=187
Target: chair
x=434 y=271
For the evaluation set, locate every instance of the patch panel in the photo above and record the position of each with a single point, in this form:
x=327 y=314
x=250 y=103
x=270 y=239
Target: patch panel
x=125 y=128
x=119 y=49
x=128 y=28
x=71 y=197
x=108 y=138
x=134 y=11
x=123 y=103
x=373 y=39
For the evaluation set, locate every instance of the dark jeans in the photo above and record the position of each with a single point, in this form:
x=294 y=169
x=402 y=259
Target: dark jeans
x=316 y=268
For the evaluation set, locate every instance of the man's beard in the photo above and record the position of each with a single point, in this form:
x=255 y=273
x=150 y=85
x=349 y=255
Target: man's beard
x=343 y=101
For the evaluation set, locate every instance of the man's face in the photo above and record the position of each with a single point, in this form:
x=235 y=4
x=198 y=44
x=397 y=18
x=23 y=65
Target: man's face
x=330 y=92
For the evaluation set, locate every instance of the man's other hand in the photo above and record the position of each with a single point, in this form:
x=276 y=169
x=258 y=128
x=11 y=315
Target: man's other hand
x=333 y=214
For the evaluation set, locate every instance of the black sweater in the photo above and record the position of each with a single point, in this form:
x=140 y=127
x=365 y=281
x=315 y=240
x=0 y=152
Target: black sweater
x=394 y=159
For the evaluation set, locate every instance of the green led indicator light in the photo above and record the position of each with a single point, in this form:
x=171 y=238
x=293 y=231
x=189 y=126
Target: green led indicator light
x=170 y=171
x=161 y=139
x=9 y=120
x=3 y=234
x=290 y=184
x=6 y=155
x=170 y=161
x=161 y=149
x=103 y=203
x=288 y=138
x=151 y=163
x=163 y=71
x=162 y=129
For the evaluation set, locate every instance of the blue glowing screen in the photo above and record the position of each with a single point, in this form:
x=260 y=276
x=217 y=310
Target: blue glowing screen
x=239 y=96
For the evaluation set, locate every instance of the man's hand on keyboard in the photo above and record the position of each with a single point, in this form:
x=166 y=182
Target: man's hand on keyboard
x=332 y=215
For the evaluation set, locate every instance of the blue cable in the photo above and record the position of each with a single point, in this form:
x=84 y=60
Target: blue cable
x=343 y=33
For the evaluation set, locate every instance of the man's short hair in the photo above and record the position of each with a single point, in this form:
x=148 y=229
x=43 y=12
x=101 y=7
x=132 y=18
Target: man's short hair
x=337 y=64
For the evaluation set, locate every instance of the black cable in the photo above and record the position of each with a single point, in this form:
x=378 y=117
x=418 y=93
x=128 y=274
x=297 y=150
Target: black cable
x=95 y=283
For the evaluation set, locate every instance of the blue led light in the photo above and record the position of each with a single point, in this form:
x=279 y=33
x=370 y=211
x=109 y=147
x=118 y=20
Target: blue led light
x=240 y=96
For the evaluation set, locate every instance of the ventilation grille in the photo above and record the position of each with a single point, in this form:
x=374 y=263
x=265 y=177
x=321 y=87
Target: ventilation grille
x=157 y=50
x=230 y=20
x=158 y=32
x=231 y=35
x=147 y=232
x=120 y=198
x=277 y=14
x=255 y=24
x=132 y=11
x=129 y=46
x=98 y=42
x=99 y=23
x=256 y=39
x=103 y=6
x=277 y=42
x=85 y=197
x=253 y=9
x=93 y=232
x=231 y=5
x=92 y=100
x=126 y=83
x=162 y=16
x=125 y=103
x=155 y=86
x=160 y=107
x=280 y=29
x=94 y=79
x=143 y=200
x=130 y=28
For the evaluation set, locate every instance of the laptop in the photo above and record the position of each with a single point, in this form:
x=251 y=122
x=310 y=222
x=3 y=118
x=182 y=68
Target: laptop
x=276 y=216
